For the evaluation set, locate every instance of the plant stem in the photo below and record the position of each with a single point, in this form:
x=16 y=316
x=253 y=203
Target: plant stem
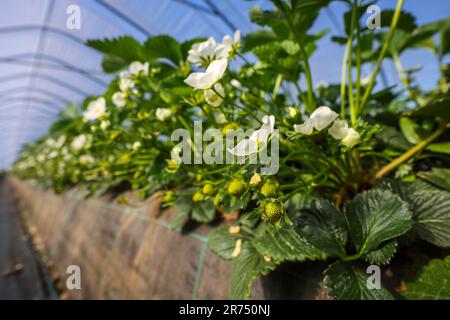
x=249 y=112
x=404 y=78
x=301 y=94
x=310 y=94
x=384 y=49
x=349 y=61
x=343 y=73
x=410 y=153
x=358 y=67
x=277 y=85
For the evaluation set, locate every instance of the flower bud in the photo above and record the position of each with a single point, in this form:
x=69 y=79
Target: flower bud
x=172 y=166
x=198 y=196
x=207 y=189
x=255 y=179
x=217 y=200
x=168 y=196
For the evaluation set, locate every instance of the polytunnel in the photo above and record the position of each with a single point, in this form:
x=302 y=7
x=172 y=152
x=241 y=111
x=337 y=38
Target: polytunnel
x=224 y=149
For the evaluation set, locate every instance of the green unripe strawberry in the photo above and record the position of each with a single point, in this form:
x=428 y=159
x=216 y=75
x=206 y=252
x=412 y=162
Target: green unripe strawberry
x=270 y=189
x=198 y=196
x=236 y=187
x=207 y=189
x=168 y=196
x=273 y=211
x=217 y=200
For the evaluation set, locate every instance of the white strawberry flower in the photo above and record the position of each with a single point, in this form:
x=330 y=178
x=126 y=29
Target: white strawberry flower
x=53 y=154
x=163 y=113
x=321 y=118
x=50 y=142
x=86 y=159
x=365 y=81
x=235 y=83
x=305 y=128
x=104 y=124
x=205 y=80
x=214 y=97
x=219 y=117
x=119 y=99
x=95 y=109
x=340 y=131
x=60 y=141
x=249 y=146
x=203 y=53
x=79 y=142
x=137 y=67
x=137 y=145
x=351 y=138
x=126 y=84
x=232 y=44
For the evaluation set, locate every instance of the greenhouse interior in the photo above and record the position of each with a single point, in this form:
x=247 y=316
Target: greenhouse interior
x=258 y=150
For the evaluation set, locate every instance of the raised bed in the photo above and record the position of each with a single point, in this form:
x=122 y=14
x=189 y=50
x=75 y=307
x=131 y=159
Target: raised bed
x=132 y=252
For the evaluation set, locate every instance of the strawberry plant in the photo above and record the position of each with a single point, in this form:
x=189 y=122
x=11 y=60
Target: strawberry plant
x=360 y=172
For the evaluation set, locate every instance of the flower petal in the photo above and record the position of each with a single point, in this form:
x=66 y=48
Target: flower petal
x=244 y=148
x=267 y=128
x=323 y=117
x=351 y=138
x=339 y=129
x=304 y=128
x=217 y=68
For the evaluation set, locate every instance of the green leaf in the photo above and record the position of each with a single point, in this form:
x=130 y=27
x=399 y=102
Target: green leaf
x=257 y=38
x=125 y=47
x=305 y=13
x=290 y=47
x=273 y=19
x=406 y=21
x=348 y=283
x=394 y=138
x=375 y=216
x=440 y=147
x=411 y=130
x=439 y=108
x=383 y=254
x=203 y=212
x=183 y=203
x=265 y=17
x=445 y=37
x=429 y=207
x=323 y=225
x=439 y=177
x=179 y=219
x=113 y=63
x=246 y=268
x=432 y=216
x=222 y=242
x=163 y=46
x=433 y=282
x=287 y=244
x=297 y=202
x=360 y=11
